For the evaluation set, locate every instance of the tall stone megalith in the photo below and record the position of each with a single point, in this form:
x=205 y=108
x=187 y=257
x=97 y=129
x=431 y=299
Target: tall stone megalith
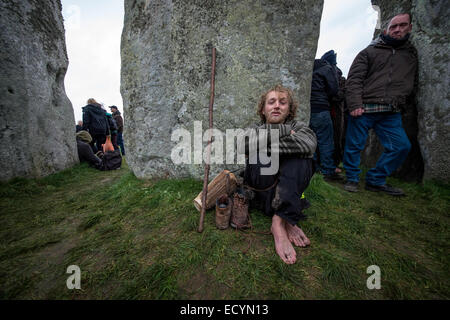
x=166 y=65
x=37 y=122
x=432 y=118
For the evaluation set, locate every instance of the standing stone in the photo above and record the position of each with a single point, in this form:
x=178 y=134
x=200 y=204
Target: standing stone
x=432 y=42
x=37 y=121
x=166 y=66
x=430 y=132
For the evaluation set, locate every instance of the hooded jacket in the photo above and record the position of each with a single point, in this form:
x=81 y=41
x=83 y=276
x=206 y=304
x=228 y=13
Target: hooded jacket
x=84 y=136
x=324 y=85
x=382 y=74
x=94 y=120
x=85 y=153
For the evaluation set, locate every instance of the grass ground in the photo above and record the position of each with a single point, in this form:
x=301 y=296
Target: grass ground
x=137 y=239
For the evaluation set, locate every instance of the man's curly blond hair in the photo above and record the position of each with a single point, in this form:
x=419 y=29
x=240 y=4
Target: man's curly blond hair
x=293 y=104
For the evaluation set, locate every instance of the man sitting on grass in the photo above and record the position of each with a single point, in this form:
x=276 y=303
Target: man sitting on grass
x=278 y=194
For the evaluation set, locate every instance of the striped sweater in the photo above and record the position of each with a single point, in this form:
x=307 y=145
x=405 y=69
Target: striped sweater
x=302 y=143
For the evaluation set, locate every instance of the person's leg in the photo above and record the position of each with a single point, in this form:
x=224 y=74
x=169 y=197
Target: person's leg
x=101 y=140
x=396 y=145
x=295 y=175
x=355 y=140
x=253 y=178
x=120 y=143
x=114 y=141
x=296 y=235
x=322 y=126
x=285 y=207
x=93 y=143
x=283 y=246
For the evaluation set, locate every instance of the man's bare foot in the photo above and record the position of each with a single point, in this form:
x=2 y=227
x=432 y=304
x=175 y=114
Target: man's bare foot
x=296 y=235
x=283 y=246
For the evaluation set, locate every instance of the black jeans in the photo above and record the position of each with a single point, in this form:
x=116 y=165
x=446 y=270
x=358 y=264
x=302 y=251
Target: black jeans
x=293 y=178
x=97 y=141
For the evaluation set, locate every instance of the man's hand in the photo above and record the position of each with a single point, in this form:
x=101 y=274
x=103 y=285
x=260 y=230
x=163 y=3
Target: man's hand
x=357 y=112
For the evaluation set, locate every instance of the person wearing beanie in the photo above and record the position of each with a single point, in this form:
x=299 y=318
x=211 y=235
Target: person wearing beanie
x=330 y=57
x=85 y=153
x=324 y=87
x=381 y=80
x=337 y=106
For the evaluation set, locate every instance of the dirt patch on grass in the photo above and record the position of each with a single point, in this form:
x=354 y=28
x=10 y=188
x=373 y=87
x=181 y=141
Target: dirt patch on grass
x=55 y=253
x=51 y=268
x=203 y=286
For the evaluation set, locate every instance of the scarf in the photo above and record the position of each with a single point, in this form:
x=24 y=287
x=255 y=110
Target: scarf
x=394 y=42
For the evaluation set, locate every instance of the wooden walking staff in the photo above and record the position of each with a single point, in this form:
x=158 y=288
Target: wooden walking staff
x=208 y=150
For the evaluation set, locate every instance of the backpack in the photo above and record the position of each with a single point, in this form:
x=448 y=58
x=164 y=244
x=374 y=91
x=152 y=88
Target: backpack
x=112 y=124
x=111 y=160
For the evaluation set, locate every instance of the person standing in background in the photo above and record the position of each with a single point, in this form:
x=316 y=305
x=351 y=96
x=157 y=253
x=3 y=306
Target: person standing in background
x=79 y=126
x=381 y=79
x=119 y=121
x=112 y=130
x=95 y=122
x=324 y=87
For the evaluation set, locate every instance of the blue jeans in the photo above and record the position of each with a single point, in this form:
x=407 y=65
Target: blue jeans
x=388 y=127
x=322 y=126
x=120 y=142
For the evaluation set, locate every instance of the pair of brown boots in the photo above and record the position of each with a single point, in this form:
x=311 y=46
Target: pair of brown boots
x=232 y=211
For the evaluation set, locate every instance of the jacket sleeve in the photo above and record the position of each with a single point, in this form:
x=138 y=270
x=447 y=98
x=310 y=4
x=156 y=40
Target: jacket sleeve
x=331 y=82
x=355 y=81
x=302 y=142
x=119 y=121
x=254 y=139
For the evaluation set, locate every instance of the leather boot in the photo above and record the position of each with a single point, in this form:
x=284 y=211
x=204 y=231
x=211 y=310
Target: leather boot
x=223 y=212
x=239 y=216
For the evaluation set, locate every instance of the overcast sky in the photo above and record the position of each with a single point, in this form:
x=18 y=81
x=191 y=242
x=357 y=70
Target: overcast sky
x=94 y=28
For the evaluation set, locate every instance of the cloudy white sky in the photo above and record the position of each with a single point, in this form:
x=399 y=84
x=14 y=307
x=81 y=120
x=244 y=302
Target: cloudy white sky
x=94 y=28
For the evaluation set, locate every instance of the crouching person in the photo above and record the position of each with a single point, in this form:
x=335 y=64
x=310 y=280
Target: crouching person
x=279 y=167
x=85 y=153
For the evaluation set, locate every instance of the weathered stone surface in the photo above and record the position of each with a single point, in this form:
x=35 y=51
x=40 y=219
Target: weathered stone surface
x=430 y=37
x=166 y=66
x=37 y=122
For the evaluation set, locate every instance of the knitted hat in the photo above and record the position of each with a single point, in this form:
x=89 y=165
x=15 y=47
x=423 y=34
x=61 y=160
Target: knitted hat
x=330 y=56
x=84 y=136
